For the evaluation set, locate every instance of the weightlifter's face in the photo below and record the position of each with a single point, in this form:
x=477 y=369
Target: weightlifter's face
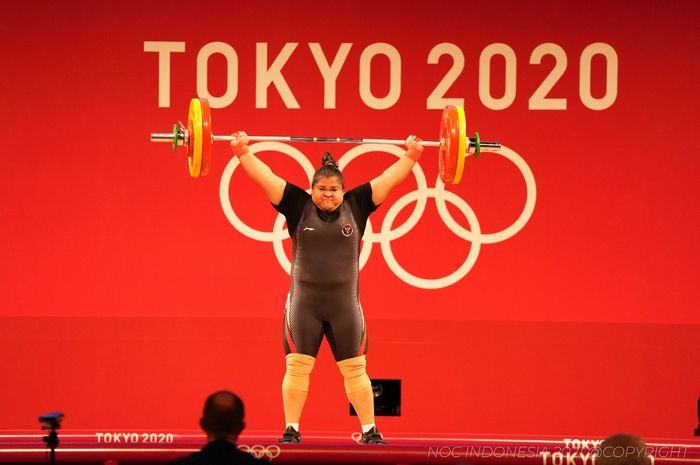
x=327 y=193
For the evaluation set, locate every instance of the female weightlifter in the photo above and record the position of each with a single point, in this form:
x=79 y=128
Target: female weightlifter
x=326 y=227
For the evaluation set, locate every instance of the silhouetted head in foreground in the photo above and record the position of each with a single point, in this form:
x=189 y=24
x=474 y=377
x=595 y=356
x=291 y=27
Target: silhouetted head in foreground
x=223 y=416
x=622 y=449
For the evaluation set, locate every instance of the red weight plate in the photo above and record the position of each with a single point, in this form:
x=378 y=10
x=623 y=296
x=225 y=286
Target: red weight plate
x=444 y=137
x=449 y=149
x=206 y=137
x=189 y=145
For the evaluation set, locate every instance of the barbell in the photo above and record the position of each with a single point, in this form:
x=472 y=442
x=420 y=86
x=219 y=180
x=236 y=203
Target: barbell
x=454 y=144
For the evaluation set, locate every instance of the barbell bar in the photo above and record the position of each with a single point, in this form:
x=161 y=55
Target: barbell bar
x=454 y=145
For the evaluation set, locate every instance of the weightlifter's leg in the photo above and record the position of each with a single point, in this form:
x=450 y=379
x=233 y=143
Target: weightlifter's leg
x=302 y=338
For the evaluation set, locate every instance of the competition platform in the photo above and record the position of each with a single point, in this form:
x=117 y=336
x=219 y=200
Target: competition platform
x=152 y=447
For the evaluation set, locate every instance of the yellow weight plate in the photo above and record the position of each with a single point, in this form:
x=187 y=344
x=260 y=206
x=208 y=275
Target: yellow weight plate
x=195 y=143
x=206 y=137
x=462 y=153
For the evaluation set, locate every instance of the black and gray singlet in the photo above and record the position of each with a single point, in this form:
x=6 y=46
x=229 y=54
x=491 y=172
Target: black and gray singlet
x=324 y=291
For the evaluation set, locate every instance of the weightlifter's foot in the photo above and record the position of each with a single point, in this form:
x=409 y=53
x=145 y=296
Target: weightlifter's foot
x=290 y=436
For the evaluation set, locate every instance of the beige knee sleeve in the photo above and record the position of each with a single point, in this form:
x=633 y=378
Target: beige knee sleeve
x=353 y=370
x=299 y=368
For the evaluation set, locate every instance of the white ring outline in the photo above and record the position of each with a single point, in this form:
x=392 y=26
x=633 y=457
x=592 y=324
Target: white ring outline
x=518 y=224
x=259 y=451
x=459 y=273
x=476 y=237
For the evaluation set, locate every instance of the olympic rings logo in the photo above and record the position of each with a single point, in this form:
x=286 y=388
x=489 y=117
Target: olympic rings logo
x=386 y=234
x=259 y=451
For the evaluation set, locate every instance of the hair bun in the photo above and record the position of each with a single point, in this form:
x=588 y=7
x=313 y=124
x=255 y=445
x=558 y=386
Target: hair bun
x=328 y=160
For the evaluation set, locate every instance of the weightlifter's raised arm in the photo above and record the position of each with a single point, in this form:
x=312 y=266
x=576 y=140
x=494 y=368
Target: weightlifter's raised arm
x=397 y=172
x=258 y=171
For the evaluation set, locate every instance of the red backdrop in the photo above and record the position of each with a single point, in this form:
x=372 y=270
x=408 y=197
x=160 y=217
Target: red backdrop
x=128 y=295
